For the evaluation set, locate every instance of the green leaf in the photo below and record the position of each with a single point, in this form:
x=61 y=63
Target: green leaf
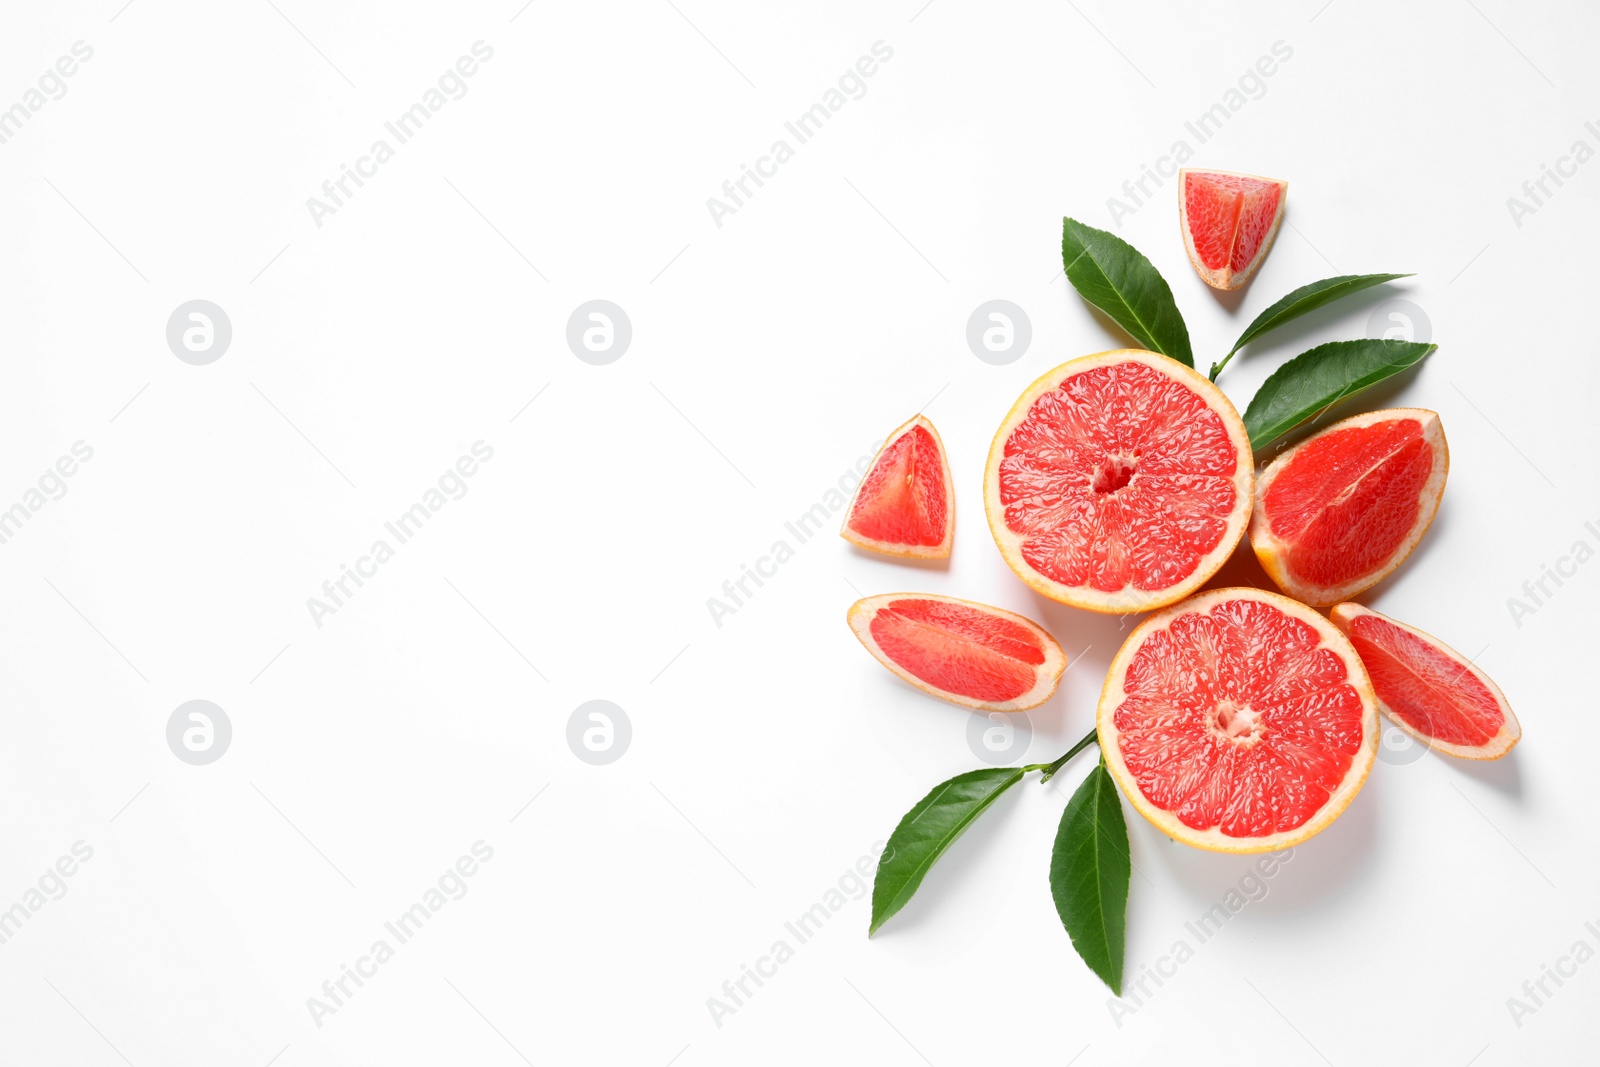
x=1089 y=871
x=928 y=830
x=1305 y=299
x=1318 y=378
x=1113 y=276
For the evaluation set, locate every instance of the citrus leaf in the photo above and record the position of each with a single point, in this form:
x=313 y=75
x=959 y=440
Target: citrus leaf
x=928 y=830
x=1305 y=299
x=1116 y=278
x=1089 y=872
x=1320 y=377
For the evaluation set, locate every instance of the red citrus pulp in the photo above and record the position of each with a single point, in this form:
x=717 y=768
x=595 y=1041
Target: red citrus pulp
x=1432 y=691
x=1119 y=482
x=905 y=506
x=1238 y=721
x=969 y=654
x=1342 y=509
x=1229 y=221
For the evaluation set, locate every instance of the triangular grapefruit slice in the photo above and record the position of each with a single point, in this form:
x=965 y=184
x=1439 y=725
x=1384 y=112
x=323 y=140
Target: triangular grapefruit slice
x=1342 y=509
x=1238 y=721
x=1429 y=689
x=1229 y=221
x=1119 y=482
x=969 y=654
x=906 y=504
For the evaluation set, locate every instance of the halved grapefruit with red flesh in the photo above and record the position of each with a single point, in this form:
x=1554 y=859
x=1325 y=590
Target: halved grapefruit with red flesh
x=1338 y=512
x=1238 y=721
x=1119 y=482
x=969 y=654
x=1229 y=221
x=906 y=505
x=1428 y=688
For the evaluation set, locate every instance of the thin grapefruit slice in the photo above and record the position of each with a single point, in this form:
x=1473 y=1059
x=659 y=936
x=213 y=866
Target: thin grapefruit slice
x=1238 y=721
x=1119 y=482
x=1229 y=221
x=1429 y=689
x=1342 y=509
x=969 y=654
x=906 y=505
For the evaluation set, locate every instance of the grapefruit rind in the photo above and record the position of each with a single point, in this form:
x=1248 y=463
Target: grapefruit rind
x=1225 y=278
x=1214 y=840
x=1272 y=551
x=894 y=548
x=1128 y=599
x=1049 y=673
x=1497 y=746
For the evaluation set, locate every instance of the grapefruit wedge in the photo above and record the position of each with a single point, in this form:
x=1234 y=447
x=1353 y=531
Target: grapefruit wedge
x=1429 y=689
x=1238 y=721
x=1342 y=509
x=969 y=654
x=906 y=505
x=1119 y=482
x=1229 y=221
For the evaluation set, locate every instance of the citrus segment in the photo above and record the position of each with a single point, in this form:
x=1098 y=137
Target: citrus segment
x=1238 y=721
x=1119 y=482
x=905 y=506
x=1228 y=221
x=969 y=654
x=1428 y=688
x=1342 y=509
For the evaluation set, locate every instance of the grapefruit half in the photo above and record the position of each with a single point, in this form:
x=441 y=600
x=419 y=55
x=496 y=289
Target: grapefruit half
x=1229 y=221
x=969 y=654
x=906 y=504
x=1342 y=509
x=1429 y=689
x=1238 y=721
x=1119 y=482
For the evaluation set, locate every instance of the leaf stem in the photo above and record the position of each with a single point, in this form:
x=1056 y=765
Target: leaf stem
x=1051 y=768
x=1217 y=367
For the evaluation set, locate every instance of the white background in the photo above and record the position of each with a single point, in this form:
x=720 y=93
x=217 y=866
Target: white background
x=768 y=754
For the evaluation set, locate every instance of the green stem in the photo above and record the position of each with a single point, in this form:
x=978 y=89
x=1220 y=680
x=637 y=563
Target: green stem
x=1052 y=768
x=1217 y=367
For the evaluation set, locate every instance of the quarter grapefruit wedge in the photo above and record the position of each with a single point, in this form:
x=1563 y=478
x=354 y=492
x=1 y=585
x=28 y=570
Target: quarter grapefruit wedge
x=1429 y=689
x=1238 y=721
x=1229 y=221
x=1342 y=509
x=969 y=654
x=906 y=504
x=1119 y=482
